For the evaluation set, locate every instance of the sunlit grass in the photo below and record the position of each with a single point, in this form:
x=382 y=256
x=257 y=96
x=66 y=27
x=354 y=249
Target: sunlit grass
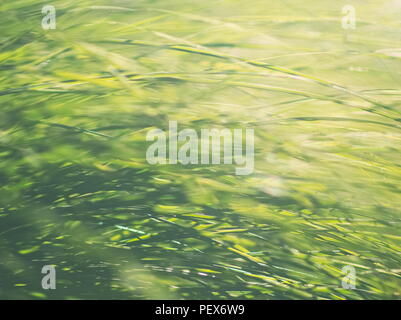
x=77 y=192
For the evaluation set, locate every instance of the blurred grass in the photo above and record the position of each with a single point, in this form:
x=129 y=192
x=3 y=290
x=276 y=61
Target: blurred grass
x=76 y=191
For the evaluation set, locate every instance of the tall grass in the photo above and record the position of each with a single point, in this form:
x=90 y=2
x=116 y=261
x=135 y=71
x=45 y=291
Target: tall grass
x=77 y=192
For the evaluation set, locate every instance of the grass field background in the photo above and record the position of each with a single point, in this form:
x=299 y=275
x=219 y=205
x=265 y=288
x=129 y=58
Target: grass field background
x=76 y=190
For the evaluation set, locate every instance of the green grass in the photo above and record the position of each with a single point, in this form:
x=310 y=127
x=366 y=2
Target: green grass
x=77 y=192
